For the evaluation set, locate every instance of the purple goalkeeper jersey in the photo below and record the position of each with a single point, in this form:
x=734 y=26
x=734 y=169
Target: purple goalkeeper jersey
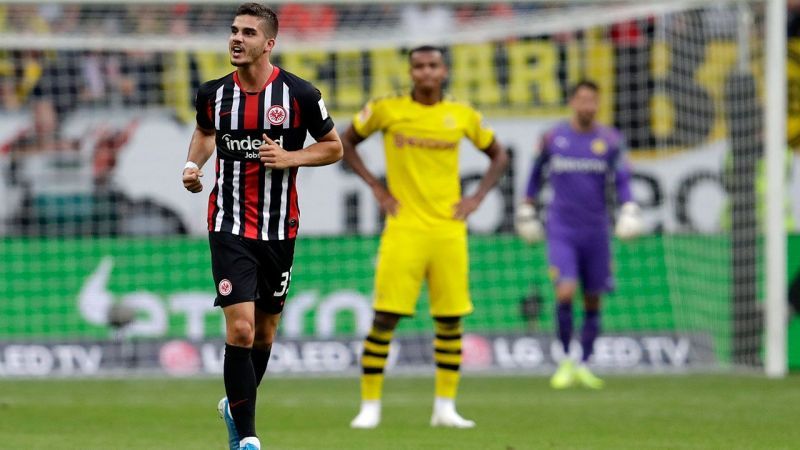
x=580 y=166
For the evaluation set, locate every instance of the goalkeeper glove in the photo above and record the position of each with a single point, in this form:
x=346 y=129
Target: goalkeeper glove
x=629 y=223
x=527 y=225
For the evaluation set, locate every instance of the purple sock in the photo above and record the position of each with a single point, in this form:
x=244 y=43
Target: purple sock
x=591 y=328
x=564 y=313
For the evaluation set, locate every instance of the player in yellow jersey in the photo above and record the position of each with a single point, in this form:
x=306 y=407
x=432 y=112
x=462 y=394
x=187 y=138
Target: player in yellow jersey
x=425 y=238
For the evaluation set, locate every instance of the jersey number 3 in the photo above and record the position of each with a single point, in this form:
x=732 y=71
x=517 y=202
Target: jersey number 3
x=285 y=278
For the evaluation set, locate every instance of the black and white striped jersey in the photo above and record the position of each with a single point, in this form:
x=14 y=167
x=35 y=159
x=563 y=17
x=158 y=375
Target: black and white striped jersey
x=248 y=199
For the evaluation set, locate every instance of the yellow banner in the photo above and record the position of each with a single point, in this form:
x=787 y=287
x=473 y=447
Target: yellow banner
x=659 y=95
x=793 y=87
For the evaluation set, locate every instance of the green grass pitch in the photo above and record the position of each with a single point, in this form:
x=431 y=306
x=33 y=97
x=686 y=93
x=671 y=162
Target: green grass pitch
x=512 y=413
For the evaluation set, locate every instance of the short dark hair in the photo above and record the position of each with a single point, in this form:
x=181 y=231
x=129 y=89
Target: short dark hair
x=267 y=16
x=588 y=84
x=425 y=48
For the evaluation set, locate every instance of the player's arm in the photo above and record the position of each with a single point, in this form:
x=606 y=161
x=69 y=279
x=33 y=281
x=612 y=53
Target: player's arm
x=498 y=162
x=526 y=223
x=327 y=150
x=373 y=117
x=350 y=139
x=202 y=145
x=629 y=223
x=201 y=148
x=483 y=138
x=314 y=116
x=622 y=176
x=536 y=177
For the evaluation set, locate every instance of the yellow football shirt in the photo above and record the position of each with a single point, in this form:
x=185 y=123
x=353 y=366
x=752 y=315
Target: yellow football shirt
x=421 y=144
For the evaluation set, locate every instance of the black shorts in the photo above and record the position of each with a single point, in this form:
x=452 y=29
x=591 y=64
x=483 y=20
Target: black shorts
x=248 y=270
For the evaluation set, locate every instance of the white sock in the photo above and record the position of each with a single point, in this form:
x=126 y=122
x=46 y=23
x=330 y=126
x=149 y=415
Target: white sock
x=250 y=440
x=444 y=404
x=370 y=404
x=369 y=416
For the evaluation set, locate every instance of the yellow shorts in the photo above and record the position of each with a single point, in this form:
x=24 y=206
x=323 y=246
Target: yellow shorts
x=406 y=258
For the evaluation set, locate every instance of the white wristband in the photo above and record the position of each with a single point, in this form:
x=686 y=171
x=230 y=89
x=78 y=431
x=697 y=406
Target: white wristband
x=191 y=165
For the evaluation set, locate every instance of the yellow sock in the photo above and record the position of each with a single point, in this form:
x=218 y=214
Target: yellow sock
x=447 y=355
x=373 y=361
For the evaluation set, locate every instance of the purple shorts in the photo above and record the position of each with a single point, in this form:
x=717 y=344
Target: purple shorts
x=581 y=256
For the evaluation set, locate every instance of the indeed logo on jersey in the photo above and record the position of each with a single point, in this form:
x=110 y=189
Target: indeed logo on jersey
x=561 y=163
x=401 y=140
x=241 y=145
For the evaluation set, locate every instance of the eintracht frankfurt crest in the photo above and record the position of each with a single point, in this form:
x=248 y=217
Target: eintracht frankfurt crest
x=276 y=115
x=225 y=287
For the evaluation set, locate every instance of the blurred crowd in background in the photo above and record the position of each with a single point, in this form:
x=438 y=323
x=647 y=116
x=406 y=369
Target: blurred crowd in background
x=113 y=78
x=73 y=78
x=295 y=18
x=47 y=85
x=83 y=77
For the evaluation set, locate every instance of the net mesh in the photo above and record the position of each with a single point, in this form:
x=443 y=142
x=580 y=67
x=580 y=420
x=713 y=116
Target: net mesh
x=103 y=251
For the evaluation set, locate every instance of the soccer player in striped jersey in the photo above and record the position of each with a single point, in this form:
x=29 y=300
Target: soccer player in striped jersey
x=256 y=119
x=581 y=156
x=425 y=237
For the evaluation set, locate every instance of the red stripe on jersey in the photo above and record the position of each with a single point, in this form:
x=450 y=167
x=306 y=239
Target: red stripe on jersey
x=275 y=72
x=210 y=112
x=251 y=171
x=296 y=108
x=272 y=76
x=251 y=192
x=294 y=208
x=212 y=201
x=250 y=111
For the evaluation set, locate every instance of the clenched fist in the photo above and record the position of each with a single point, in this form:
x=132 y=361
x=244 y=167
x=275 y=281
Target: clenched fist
x=191 y=178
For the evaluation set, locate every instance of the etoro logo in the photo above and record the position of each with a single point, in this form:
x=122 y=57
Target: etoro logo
x=276 y=115
x=153 y=313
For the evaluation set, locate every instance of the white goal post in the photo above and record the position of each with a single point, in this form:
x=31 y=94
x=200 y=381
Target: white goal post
x=775 y=137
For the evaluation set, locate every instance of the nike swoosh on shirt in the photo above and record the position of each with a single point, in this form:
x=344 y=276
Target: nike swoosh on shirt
x=224 y=113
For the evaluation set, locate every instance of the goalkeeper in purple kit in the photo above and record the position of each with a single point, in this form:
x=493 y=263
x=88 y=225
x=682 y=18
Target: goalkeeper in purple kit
x=579 y=158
